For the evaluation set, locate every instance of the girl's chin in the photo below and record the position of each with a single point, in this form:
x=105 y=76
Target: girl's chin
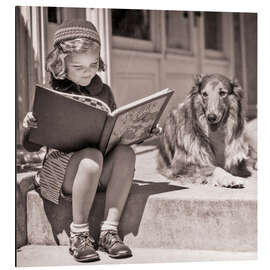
x=84 y=82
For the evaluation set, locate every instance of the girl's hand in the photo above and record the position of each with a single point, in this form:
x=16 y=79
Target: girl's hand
x=157 y=130
x=30 y=121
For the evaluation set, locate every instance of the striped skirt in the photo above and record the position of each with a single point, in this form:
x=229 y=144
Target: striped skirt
x=52 y=175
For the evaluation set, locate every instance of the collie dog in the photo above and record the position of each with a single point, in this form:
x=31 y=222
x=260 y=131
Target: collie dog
x=203 y=139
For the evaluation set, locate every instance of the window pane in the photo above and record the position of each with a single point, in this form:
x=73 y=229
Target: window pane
x=177 y=28
x=213 y=31
x=131 y=23
x=54 y=15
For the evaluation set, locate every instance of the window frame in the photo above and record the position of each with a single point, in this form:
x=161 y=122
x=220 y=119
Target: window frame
x=127 y=43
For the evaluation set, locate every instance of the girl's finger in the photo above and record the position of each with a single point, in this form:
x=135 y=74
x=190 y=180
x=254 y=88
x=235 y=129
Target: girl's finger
x=30 y=121
x=31 y=116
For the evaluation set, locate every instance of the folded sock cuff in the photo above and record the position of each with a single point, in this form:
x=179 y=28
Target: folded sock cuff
x=76 y=228
x=109 y=225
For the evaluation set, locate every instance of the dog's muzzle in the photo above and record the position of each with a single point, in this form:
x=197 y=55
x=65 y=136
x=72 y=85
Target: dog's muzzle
x=212 y=118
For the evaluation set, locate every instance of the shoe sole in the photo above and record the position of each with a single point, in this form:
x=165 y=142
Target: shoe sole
x=85 y=259
x=117 y=256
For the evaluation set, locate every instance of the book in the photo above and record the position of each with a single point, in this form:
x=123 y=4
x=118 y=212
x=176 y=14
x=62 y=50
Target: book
x=69 y=122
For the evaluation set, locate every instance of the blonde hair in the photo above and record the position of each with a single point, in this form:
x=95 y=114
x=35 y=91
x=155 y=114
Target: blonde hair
x=56 y=58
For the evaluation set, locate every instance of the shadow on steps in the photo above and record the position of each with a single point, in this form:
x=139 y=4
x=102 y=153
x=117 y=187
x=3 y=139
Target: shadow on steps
x=60 y=216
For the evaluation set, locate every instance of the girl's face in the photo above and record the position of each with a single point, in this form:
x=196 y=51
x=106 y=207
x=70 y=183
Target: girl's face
x=82 y=67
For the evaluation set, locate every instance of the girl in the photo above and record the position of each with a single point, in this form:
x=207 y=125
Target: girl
x=73 y=64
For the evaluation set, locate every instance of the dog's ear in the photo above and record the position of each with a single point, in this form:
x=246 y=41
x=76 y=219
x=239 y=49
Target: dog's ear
x=236 y=88
x=198 y=79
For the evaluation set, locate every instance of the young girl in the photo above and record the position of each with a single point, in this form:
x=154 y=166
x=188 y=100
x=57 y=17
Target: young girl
x=73 y=64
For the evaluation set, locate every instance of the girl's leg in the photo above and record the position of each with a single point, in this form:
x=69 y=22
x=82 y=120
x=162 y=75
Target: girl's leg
x=81 y=180
x=117 y=176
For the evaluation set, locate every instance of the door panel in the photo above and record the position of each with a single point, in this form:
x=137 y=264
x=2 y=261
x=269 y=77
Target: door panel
x=134 y=76
x=180 y=48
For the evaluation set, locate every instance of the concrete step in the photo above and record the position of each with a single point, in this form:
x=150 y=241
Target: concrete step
x=34 y=255
x=160 y=214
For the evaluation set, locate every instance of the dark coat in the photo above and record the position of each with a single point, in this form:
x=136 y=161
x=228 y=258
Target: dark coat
x=96 y=89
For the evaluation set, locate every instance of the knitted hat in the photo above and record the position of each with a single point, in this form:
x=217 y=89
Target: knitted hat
x=76 y=29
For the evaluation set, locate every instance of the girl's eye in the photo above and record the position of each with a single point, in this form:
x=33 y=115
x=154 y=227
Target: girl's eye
x=204 y=94
x=77 y=67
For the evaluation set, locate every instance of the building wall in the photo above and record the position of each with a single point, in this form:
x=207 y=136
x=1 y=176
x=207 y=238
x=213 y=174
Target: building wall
x=175 y=52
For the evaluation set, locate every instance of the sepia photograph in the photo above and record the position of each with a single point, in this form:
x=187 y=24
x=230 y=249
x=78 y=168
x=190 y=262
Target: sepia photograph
x=135 y=136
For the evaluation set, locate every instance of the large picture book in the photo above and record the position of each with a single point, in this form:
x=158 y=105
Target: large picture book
x=70 y=122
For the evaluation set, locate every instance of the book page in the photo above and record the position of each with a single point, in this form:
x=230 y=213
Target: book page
x=135 y=124
x=138 y=102
x=90 y=101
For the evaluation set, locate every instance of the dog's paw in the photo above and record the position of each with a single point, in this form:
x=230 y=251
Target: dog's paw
x=230 y=182
x=234 y=182
x=223 y=179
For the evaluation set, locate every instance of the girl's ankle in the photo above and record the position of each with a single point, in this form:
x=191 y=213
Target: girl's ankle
x=78 y=228
x=108 y=226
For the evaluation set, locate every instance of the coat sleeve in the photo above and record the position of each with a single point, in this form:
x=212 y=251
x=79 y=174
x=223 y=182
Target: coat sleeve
x=29 y=146
x=112 y=103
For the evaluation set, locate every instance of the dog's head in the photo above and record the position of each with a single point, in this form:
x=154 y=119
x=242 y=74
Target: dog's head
x=217 y=95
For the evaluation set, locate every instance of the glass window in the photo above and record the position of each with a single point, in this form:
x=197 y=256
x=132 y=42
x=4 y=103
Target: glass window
x=177 y=29
x=213 y=31
x=54 y=15
x=131 y=23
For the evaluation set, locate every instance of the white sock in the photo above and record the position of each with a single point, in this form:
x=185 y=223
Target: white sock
x=77 y=228
x=108 y=225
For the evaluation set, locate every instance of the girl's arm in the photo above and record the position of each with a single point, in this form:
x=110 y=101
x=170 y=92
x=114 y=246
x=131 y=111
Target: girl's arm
x=28 y=123
x=157 y=130
x=29 y=146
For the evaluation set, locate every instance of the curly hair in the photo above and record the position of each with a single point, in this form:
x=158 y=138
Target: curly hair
x=56 y=58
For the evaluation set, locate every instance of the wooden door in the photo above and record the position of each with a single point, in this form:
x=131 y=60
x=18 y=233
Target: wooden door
x=165 y=49
x=196 y=42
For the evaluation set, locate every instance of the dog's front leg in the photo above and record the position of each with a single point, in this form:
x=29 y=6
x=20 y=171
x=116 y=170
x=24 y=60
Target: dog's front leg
x=224 y=179
x=236 y=156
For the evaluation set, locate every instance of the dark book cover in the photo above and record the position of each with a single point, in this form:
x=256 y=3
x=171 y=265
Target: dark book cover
x=64 y=123
x=70 y=122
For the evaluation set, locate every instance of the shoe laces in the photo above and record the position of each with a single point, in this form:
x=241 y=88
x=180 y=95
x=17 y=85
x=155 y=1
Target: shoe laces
x=111 y=237
x=85 y=240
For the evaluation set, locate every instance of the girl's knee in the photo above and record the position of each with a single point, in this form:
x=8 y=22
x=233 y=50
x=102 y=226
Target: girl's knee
x=91 y=160
x=125 y=153
x=92 y=153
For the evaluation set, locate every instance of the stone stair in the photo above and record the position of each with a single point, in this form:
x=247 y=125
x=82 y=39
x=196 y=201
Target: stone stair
x=159 y=214
x=40 y=255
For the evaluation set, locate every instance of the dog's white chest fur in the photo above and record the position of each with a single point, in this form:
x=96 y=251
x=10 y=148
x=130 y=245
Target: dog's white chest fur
x=218 y=141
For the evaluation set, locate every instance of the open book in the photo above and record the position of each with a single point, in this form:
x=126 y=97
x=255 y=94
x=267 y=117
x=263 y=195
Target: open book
x=70 y=122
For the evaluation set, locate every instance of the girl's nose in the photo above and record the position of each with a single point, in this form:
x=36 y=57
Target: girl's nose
x=87 y=70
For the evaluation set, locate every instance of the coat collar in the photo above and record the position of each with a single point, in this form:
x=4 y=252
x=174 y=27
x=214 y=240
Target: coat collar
x=94 y=88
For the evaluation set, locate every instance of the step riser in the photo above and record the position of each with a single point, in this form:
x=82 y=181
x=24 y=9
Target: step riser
x=151 y=222
x=210 y=225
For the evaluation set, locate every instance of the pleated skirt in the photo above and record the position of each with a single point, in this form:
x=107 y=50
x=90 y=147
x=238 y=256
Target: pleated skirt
x=52 y=175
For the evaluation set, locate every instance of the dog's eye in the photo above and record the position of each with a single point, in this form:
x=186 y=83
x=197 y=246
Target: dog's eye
x=204 y=94
x=222 y=93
